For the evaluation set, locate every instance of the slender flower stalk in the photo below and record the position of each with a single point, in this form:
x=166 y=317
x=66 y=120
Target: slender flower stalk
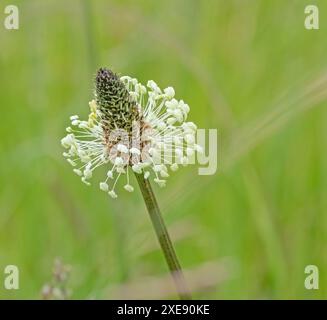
x=163 y=236
x=138 y=128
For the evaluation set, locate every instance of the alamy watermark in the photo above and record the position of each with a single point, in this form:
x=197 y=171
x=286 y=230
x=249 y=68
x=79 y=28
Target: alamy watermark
x=311 y=20
x=311 y=281
x=11 y=21
x=11 y=277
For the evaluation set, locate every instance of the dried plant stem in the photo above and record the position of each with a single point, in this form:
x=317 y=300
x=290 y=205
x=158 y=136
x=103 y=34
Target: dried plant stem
x=163 y=237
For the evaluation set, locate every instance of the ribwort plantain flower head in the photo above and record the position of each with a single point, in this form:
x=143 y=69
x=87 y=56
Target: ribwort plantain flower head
x=117 y=107
x=130 y=127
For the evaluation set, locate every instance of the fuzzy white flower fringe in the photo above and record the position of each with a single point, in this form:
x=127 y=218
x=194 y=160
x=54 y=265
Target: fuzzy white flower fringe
x=160 y=139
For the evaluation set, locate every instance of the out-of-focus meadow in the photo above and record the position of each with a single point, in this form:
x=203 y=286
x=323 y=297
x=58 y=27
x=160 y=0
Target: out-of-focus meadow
x=246 y=67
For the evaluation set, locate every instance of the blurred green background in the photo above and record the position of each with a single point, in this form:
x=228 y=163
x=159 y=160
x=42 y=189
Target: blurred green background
x=246 y=67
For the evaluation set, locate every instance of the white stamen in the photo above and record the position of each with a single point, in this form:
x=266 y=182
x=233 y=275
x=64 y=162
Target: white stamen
x=120 y=170
x=104 y=186
x=161 y=183
x=122 y=148
x=67 y=141
x=71 y=162
x=112 y=194
x=86 y=182
x=169 y=92
x=78 y=172
x=135 y=151
x=87 y=174
x=137 y=168
x=119 y=161
x=128 y=188
x=164 y=174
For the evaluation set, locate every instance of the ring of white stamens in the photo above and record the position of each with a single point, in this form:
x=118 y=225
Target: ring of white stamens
x=166 y=139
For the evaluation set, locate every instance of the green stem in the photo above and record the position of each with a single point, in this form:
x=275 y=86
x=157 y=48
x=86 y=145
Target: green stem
x=163 y=237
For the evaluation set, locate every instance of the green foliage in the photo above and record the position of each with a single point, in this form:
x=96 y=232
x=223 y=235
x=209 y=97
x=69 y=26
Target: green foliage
x=248 y=68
